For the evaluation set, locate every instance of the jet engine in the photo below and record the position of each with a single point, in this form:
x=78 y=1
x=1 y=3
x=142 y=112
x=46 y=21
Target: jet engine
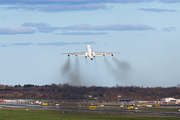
x=93 y=54
x=86 y=54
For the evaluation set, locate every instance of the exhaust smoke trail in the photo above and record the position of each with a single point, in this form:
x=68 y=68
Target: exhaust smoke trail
x=74 y=75
x=110 y=68
x=86 y=59
x=124 y=66
x=67 y=66
x=121 y=70
x=108 y=65
x=71 y=72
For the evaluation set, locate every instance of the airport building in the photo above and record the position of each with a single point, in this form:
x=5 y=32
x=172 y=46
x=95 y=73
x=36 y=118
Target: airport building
x=2 y=101
x=128 y=100
x=15 y=101
x=170 y=100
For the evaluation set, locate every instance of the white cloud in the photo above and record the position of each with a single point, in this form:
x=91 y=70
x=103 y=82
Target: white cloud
x=64 y=43
x=58 y=8
x=19 y=30
x=88 y=27
x=45 y=28
x=23 y=44
x=169 y=29
x=156 y=10
x=42 y=2
x=71 y=2
x=82 y=33
x=30 y=24
x=115 y=27
x=169 y=1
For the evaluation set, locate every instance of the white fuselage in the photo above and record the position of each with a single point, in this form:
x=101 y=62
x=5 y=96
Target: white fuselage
x=89 y=51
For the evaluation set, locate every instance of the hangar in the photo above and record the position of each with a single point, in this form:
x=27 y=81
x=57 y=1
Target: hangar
x=169 y=100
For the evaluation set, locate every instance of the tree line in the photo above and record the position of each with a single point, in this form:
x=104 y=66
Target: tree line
x=68 y=92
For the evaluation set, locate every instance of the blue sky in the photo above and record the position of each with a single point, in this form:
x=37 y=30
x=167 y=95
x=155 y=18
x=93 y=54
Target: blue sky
x=33 y=34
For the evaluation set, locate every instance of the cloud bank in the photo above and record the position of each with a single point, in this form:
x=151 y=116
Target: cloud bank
x=169 y=1
x=19 y=30
x=156 y=10
x=44 y=2
x=66 y=2
x=116 y=27
x=82 y=33
x=30 y=28
x=169 y=29
x=58 y=8
x=88 y=27
x=64 y=43
x=30 y=24
x=23 y=44
x=76 y=2
x=52 y=43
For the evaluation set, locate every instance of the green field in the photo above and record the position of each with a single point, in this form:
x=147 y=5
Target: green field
x=22 y=114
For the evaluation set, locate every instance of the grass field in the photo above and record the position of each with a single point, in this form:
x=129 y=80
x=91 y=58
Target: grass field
x=22 y=114
x=162 y=109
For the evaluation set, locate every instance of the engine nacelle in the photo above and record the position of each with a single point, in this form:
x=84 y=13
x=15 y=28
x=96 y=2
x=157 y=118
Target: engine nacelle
x=103 y=54
x=93 y=54
x=86 y=54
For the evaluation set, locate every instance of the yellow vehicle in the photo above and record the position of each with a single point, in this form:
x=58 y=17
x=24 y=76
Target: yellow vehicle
x=143 y=105
x=92 y=107
x=45 y=104
x=157 y=105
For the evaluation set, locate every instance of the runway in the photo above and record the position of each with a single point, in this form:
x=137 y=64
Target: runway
x=86 y=109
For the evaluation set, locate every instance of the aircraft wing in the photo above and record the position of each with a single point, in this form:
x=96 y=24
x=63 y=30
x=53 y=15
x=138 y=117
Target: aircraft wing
x=103 y=53
x=76 y=54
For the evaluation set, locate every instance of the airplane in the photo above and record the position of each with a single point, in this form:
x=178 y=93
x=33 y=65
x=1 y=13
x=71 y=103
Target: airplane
x=89 y=53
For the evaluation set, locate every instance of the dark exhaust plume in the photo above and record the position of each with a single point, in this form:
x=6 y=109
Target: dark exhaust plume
x=121 y=70
x=71 y=73
x=108 y=65
x=66 y=67
x=74 y=75
x=123 y=67
x=86 y=59
x=111 y=69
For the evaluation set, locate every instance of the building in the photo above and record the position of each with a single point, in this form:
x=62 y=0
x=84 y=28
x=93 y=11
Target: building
x=169 y=100
x=2 y=101
x=128 y=100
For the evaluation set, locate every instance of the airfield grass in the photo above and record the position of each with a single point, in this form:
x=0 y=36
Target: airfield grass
x=22 y=114
x=162 y=109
